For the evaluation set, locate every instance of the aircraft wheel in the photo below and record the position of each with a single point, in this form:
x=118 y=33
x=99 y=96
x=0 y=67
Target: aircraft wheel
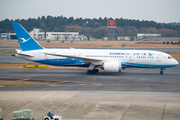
x=96 y=70
x=161 y=72
x=89 y=72
x=93 y=72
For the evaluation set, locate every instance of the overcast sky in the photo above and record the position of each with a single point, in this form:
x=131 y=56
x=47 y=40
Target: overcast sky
x=163 y=11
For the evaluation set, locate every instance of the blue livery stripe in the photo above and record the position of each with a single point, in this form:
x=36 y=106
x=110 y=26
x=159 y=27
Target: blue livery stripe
x=128 y=64
x=63 y=62
x=79 y=63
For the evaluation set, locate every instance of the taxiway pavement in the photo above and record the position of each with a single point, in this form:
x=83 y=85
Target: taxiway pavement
x=93 y=105
x=134 y=94
x=132 y=79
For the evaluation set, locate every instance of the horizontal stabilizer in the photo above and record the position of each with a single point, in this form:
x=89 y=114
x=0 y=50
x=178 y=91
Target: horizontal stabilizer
x=27 y=55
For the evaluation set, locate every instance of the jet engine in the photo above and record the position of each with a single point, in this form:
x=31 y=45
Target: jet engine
x=113 y=66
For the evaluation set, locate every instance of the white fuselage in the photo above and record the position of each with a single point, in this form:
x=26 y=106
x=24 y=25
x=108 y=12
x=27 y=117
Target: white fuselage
x=128 y=58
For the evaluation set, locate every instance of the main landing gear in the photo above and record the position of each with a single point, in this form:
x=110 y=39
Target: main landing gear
x=162 y=69
x=94 y=71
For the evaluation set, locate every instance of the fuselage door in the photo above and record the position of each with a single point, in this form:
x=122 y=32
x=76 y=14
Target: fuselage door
x=158 y=57
x=131 y=57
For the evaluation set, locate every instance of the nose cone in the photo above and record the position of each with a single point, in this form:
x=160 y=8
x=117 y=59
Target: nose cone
x=176 y=62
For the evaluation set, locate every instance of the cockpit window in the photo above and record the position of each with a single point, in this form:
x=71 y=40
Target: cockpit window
x=169 y=57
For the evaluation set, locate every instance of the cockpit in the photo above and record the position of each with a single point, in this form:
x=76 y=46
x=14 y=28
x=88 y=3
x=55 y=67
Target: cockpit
x=169 y=57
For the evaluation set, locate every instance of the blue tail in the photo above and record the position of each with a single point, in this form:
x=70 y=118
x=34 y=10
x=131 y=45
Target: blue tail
x=25 y=40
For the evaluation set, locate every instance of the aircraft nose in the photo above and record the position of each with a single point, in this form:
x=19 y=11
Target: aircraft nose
x=176 y=62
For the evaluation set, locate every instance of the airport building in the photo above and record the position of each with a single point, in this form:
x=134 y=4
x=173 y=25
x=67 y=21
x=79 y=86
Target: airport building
x=65 y=36
x=8 y=36
x=124 y=38
x=144 y=36
x=38 y=34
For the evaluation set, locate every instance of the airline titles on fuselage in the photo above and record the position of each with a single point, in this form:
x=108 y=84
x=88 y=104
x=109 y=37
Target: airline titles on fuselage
x=118 y=53
x=114 y=53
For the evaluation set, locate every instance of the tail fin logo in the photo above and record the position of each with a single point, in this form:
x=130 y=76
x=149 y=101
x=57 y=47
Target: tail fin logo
x=24 y=40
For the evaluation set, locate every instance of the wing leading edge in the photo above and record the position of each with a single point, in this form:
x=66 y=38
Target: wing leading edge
x=94 y=61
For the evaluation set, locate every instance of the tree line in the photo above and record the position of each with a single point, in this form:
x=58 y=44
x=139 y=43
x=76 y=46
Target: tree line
x=93 y=27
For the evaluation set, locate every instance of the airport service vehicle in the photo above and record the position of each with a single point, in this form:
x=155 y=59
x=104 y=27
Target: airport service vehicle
x=26 y=114
x=1 y=114
x=54 y=117
x=107 y=60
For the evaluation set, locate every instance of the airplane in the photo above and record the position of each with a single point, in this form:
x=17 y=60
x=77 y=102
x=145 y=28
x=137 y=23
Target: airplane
x=95 y=59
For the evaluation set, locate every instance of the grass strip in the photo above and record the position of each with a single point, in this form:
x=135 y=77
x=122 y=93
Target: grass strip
x=7 y=51
x=20 y=66
x=19 y=83
x=175 y=54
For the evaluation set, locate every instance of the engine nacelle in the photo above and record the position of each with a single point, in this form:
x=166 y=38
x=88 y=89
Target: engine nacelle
x=113 y=66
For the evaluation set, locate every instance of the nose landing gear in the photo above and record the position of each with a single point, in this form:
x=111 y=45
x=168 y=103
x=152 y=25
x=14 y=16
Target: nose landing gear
x=162 y=69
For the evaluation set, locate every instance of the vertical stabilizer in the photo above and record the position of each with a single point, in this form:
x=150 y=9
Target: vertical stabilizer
x=25 y=40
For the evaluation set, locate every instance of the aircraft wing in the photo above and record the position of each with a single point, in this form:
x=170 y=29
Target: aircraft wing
x=83 y=59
